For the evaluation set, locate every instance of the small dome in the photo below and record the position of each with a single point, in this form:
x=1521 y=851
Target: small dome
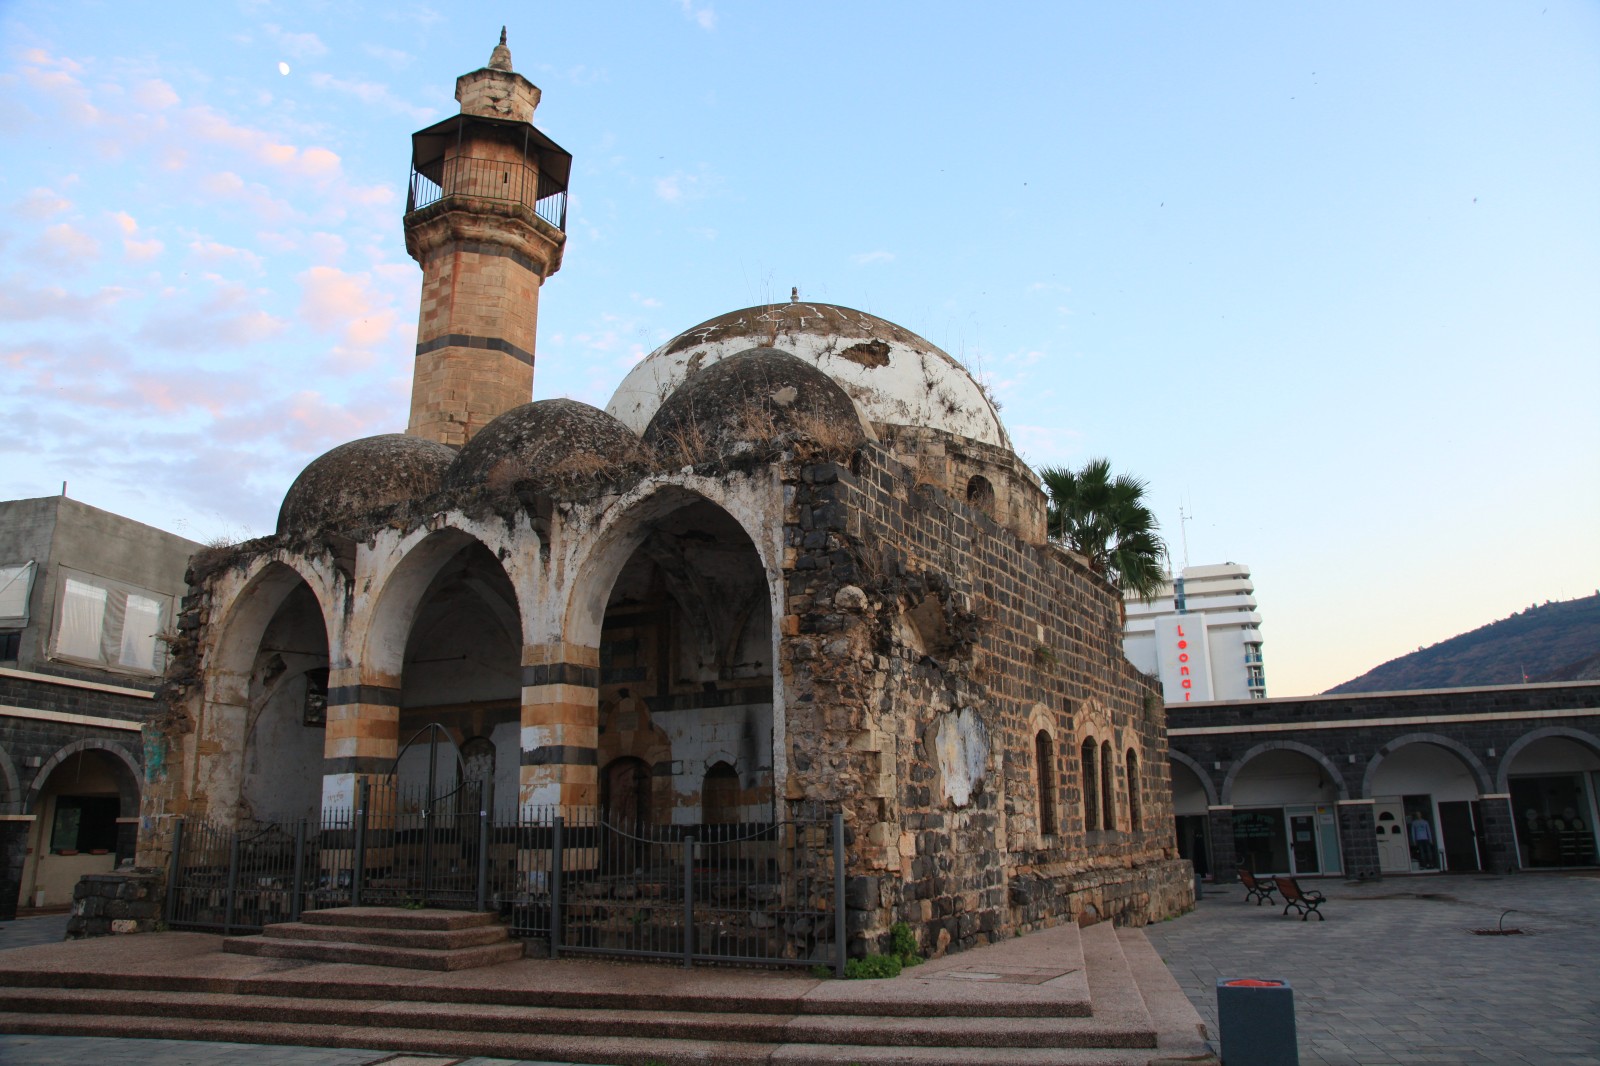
x=750 y=399
x=894 y=376
x=361 y=476
x=551 y=441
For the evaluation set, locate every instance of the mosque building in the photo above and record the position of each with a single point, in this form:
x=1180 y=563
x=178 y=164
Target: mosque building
x=795 y=565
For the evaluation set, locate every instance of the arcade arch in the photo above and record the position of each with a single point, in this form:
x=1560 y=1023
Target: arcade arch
x=1424 y=789
x=1553 y=778
x=1283 y=796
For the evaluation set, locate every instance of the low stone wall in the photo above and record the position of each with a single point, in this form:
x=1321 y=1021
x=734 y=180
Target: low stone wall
x=1150 y=892
x=124 y=902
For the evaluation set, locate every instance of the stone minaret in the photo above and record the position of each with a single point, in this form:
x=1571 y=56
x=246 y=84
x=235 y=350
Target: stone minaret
x=486 y=219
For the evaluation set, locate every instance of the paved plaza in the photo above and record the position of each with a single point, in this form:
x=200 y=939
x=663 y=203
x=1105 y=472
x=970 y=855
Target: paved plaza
x=1396 y=975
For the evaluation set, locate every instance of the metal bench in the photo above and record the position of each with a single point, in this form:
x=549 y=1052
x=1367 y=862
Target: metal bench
x=1260 y=891
x=1304 y=901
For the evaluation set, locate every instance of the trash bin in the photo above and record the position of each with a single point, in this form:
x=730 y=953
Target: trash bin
x=1255 y=1019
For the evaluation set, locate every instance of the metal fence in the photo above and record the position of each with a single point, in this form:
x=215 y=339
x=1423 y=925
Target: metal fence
x=490 y=179
x=767 y=893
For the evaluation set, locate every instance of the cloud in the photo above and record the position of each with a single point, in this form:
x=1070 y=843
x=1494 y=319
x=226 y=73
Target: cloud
x=701 y=15
x=42 y=203
x=350 y=305
x=683 y=186
x=864 y=258
x=214 y=253
x=65 y=245
x=227 y=318
x=136 y=250
x=371 y=92
x=392 y=56
x=21 y=301
x=299 y=45
x=154 y=94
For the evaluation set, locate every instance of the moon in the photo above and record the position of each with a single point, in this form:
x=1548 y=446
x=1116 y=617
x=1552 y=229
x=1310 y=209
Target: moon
x=283 y=68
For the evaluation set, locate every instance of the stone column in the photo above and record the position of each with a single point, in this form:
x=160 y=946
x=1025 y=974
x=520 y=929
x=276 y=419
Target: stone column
x=14 y=829
x=1224 y=858
x=1358 y=839
x=560 y=725
x=363 y=733
x=1498 y=833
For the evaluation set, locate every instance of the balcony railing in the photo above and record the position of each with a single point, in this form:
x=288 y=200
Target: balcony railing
x=489 y=179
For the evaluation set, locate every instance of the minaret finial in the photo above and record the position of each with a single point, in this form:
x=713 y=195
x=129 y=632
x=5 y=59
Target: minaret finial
x=500 y=59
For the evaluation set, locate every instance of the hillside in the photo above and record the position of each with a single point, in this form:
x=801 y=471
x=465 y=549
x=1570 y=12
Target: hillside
x=1546 y=642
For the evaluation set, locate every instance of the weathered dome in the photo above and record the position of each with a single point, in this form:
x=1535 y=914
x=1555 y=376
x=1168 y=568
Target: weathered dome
x=749 y=399
x=364 y=474
x=893 y=375
x=552 y=441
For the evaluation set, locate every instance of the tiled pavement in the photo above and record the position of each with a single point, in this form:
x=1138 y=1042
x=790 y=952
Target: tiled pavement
x=1396 y=975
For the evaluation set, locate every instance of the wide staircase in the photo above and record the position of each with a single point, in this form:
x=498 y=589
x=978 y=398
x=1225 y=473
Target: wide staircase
x=398 y=981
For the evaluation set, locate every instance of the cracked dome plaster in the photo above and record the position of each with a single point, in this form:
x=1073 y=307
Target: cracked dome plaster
x=894 y=376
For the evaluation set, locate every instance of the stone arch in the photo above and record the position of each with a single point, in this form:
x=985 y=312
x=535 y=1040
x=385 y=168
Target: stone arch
x=620 y=532
x=1173 y=755
x=246 y=616
x=400 y=595
x=1283 y=745
x=125 y=771
x=1480 y=773
x=10 y=786
x=1503 y=777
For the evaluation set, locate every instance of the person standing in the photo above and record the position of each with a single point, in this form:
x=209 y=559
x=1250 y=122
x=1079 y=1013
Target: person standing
x=1422 y=843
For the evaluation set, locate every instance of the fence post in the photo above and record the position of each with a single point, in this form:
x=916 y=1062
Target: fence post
x=174 y=872
x=295 y=898
x=555 y=886
x=358 y=861
x=688 y=902
x=838 y=894
x=485 y=804
x=233 y=884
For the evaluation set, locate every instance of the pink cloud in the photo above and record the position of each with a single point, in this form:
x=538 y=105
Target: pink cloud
x=42 y=203
x=65 y=245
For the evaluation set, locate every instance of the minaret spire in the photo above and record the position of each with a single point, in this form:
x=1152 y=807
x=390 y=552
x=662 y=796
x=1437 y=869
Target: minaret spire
x=500 y=58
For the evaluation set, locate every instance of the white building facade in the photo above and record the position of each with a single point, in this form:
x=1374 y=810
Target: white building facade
x=1201 y=635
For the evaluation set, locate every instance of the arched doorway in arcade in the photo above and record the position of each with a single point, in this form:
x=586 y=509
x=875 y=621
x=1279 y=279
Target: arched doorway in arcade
x=1554 y=781
x=85 y=810
x=462 y=672
x=1425 y=812
x=287 y=712
x=1190 y=807
x=1284 y=815
x=686 y=676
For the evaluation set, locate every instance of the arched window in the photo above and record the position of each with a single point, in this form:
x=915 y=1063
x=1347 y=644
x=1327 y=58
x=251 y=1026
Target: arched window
x=1135 y=807
x=1090 y=779
x=1108 y=815
x=719 y=796
x=980 y=493
x=1044 y=766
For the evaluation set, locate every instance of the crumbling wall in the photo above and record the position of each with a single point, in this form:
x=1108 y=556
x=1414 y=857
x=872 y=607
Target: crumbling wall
x=922 y=638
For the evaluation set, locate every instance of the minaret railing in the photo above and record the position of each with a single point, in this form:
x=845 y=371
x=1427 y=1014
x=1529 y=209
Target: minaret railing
x=489 y=179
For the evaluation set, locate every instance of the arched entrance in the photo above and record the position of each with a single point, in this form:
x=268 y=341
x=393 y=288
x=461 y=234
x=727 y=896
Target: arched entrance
x=686 y=672
x=82 y=801
x=287 y=712
x=1190 y=804
x=1554 y=780
x=462 y=670
x=1284 y=814
x=1424 y=797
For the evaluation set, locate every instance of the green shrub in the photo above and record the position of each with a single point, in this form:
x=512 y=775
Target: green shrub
x=903 y=944
x=872 y=967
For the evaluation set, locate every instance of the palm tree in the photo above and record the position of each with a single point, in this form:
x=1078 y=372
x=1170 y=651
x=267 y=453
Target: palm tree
x=1104 y=519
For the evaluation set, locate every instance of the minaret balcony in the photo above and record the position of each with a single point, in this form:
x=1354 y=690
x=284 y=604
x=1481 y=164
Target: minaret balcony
x=489 y=179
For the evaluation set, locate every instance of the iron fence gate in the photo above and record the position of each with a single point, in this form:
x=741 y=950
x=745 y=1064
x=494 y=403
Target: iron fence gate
x=768 y=893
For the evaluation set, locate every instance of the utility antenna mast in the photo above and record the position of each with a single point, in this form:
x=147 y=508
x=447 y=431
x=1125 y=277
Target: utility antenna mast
x=1183 y=531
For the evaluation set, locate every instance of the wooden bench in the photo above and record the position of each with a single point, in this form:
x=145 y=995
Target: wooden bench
x=1304 y=901
x=1260 y=891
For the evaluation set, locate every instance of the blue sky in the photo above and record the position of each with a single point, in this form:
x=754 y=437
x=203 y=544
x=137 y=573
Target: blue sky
x=1326 y=275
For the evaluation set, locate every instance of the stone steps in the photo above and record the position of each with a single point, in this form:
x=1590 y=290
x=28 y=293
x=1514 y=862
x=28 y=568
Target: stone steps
x=386 y=936
x=1063 y=997
x=860 y=1030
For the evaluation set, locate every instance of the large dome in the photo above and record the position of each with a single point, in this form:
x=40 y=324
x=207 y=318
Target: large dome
x=747 y=401
x=554 y=441
x=893 y=375
x=364 y=474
